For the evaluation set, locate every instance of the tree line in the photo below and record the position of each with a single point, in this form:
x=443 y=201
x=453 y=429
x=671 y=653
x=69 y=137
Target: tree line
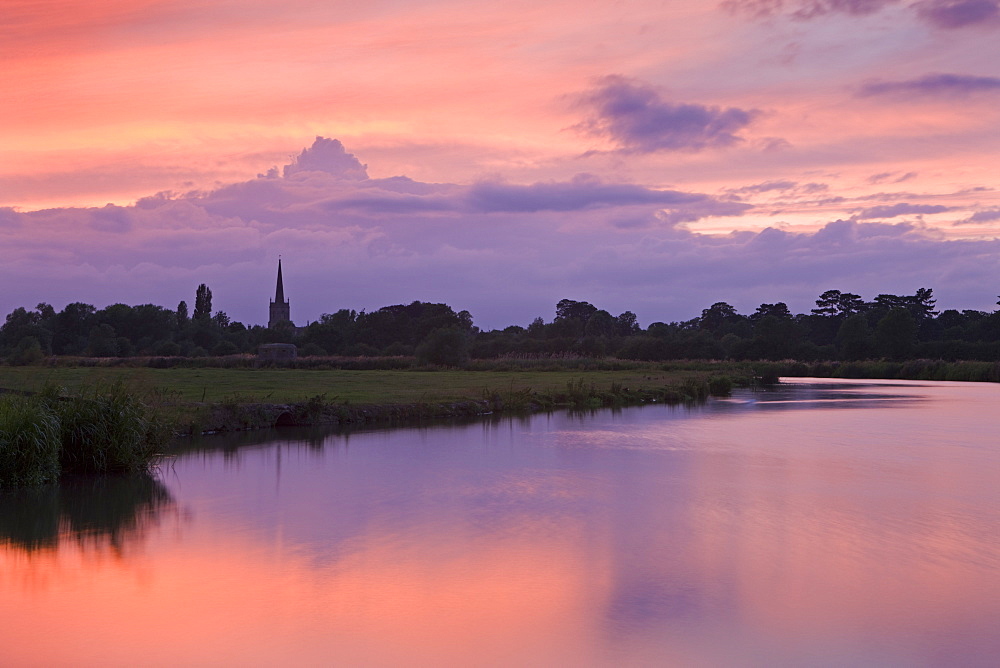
x=843 y=326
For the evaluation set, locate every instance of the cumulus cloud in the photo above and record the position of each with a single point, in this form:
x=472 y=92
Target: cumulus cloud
x=637 y=119
x=933 y=84
x=900 y=209
x=328 y=156
x=9 y=217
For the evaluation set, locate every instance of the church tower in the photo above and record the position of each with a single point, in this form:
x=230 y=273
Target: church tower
x=279 y=307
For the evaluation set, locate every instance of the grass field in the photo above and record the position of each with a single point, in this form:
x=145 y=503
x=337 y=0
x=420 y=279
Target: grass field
x=357 y=387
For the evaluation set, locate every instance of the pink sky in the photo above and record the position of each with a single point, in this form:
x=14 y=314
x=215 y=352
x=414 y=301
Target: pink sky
x=650 y=156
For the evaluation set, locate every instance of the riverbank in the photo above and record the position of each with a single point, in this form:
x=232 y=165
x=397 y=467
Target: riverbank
x=974 y=372
x=227 y=394
x=208 y=399
x=235 y=414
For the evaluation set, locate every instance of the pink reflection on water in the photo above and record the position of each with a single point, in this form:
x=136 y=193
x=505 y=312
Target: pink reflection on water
x=783 y=528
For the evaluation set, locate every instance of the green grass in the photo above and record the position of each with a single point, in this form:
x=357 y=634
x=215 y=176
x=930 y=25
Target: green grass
x=108 y=429
x=279 y=385
x=103 y=429
x=29 y=442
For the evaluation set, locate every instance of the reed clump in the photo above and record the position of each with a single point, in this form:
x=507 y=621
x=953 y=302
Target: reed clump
x=108 y=429
x=29 y=442
x=104 y=429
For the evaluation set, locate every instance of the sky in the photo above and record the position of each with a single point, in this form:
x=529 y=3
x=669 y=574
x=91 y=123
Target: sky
x=656 y=157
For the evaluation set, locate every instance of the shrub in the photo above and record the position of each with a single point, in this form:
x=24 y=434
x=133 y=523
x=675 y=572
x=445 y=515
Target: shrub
x=28 y=351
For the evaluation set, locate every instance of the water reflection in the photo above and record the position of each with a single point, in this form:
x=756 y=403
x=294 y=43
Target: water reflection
x=818 y=524
x=107 y=512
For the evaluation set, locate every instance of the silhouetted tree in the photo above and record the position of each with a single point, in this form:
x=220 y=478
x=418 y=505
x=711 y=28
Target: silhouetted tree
x=627 y=324
x=448 y=347
x=568 y=309
x=896 y=334
x=203 y=303
x=601 y=323
x=854 y=341
x=837 y=303
x=719 y=318
x=779 y=311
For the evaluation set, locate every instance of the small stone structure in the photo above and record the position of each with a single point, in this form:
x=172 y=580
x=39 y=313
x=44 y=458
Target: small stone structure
x=277 y=351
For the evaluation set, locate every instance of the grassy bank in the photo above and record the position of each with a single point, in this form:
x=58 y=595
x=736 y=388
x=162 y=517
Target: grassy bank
x=211 y=398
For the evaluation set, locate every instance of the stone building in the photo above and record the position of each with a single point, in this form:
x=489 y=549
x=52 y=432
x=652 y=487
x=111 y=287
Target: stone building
x=280 y=310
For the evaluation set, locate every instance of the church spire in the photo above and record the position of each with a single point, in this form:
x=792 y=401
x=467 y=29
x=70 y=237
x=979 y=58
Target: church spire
x=279 y=293
x=279 y=308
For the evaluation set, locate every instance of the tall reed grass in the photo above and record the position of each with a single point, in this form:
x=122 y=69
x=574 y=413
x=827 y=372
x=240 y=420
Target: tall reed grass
x=108 y=429
x=29 y=442
x=104 y=429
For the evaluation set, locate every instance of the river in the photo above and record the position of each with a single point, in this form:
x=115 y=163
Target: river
x=819 y=523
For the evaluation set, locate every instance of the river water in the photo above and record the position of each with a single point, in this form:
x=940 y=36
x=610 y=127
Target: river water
x=821 y=523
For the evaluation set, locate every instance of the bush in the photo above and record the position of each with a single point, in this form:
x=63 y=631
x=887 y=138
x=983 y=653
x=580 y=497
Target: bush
x=224 y=348
x=445 y=347
x=28 y=351
x=397 y=349
x=167 y=349
x=312 y=350
x=29 y=442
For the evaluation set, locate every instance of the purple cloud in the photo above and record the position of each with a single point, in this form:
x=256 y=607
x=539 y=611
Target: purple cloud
x=812 y=8
x=943 y=14
x=901 y=209
x=806 y=9
x=933 y=84
x=782 y=186
x=950 y=14
x=639 y=120
x=891 y=177
x=767 y=186
x=111 y=218
x=986 y=216
x=588 y=192
x=9 y=217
